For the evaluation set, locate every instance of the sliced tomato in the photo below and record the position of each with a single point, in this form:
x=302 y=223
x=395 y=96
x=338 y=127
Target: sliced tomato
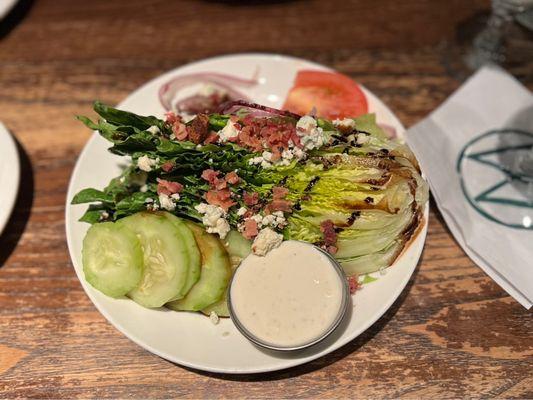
x=333 y=95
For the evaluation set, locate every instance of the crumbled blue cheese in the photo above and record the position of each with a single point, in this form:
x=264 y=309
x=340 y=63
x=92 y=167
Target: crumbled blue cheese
x=287 y=154
x=213 y=316
x=143 y=188
x=274 y=220
x=228 y=132
x=311 y=136
x=145 y=163
x=166 y=202
x=265 y=241
x=214 y=219
x=267 y=155
x=265 y=159
x=260 y=160
x=241 y=211
x=346 y=123
x=151 y=205
x=154 y=129
x=104 y=215
x=362 y=138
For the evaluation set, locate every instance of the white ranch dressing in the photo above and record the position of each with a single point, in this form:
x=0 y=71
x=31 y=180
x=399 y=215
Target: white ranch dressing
x=289 y=297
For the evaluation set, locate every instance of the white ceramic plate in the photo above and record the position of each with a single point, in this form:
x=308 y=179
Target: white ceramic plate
x=9 y=175
x=6 y=6
x=191 y=339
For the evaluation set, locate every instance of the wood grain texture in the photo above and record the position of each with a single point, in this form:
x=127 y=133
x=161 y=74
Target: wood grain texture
x=452 y=333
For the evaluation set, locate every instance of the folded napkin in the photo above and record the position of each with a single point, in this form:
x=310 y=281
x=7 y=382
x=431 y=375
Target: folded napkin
x=477 y=153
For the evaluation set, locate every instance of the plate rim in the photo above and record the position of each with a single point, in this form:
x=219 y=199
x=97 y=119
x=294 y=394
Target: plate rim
x=5 y=8
x=289 y=363
x=13 y=180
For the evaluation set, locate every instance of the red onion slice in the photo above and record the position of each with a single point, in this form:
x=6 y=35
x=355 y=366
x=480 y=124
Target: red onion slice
x=168 y=91
x=254 y=109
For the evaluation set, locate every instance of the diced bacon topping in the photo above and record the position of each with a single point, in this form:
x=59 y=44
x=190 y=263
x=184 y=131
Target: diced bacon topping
x=212 y=137
x=180 y=130
x=167 y=166
x=278 y=205
x=221 y=198
x=250 y=199
x=210 y=175
x=215 y=182
x=220 y=184
x=168 y=187
x=353 y=283
x=171 y=118
x=279 y=192
x=250 y=229
x=330 y=236
x=232 y=178
x=220 y=194
x=248 y=140
x=276 y=135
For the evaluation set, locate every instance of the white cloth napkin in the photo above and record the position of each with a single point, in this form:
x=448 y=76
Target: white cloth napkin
x=480 y=183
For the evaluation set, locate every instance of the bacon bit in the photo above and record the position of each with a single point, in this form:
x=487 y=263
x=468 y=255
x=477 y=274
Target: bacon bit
x=279 y=192
x=211 y=138
x=250 y=229
x=224 y=194
x=232 y=178
x=330 y=236
x=210 y=175
x=248 y=214
x=219 y=195
x=247 y=139
x=199 y=128
x=278 y=205
x=250 y=199
x=171 y=118
x=353 y=283
x=221 y=198
x=167 y=166
x=180 y=131
x=168 y=187
x=220 y=184
x=331 y=249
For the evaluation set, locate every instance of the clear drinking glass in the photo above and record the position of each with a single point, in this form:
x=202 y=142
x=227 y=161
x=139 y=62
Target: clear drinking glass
x=489 y=46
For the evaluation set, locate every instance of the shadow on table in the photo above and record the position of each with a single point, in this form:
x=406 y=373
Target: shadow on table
x=328 y=359
x=13 y=18
x=21 y=212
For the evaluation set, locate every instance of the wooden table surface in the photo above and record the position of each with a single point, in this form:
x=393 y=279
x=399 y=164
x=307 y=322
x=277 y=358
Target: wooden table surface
x=452 y=333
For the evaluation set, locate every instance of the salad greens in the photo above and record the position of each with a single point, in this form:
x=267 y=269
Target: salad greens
x=361 y=186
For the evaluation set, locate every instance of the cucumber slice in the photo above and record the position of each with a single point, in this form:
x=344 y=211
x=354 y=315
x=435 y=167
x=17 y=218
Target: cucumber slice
x=238 y=247
x=112 y=259
x=214 y=276
x=195 y=260
x=221 y=307
x=166 y=259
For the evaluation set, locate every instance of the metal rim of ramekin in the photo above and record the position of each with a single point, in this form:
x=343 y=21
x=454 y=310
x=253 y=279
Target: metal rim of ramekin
x=345 y=301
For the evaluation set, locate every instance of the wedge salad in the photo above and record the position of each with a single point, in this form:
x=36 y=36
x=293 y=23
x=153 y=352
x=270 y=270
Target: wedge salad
x=199 y=195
